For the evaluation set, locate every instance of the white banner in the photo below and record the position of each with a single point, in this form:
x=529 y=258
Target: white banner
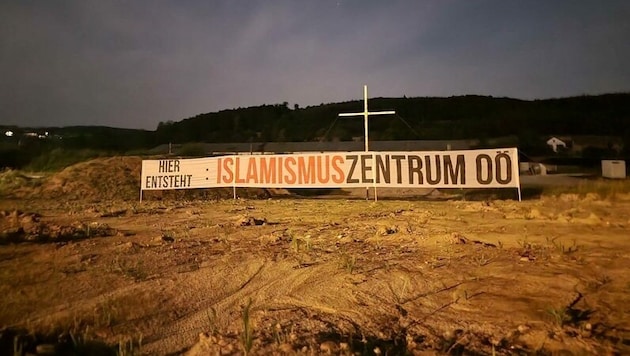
x=495 y=168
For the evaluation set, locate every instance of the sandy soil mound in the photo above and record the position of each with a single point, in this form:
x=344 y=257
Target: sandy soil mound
x=98 y=179
x=112 y=178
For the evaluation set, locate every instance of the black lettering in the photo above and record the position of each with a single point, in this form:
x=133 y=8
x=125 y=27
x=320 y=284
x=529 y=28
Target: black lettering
x=438 y=169
x=398 y=159
x=168 y=181
x=365 y=168
x=460 y=170
x=383 y=167
x=499 y=167
x=415 y=166
x=354 y=159
x=168 y=165
x=488 y=178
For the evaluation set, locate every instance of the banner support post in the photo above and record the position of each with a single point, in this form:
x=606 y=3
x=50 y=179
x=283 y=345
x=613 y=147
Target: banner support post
x=141 y=169
x=375 y=176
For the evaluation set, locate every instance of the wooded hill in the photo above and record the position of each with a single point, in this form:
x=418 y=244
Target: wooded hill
x=423 y=118
x=461 y=117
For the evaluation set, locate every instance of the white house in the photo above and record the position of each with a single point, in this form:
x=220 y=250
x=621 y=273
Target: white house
x=555 y=142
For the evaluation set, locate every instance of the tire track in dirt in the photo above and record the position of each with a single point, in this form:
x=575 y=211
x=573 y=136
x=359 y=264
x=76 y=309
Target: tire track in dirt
x=85 y=306
x=270 y=285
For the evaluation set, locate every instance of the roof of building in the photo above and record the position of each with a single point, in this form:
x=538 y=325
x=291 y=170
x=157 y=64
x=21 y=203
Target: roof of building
x=339 y=146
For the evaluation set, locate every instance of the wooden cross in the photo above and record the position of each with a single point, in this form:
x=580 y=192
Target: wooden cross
x=366 y=113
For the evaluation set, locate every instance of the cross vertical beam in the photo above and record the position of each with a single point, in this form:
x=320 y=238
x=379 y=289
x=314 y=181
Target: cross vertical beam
x=366 y=113
x=365 y=117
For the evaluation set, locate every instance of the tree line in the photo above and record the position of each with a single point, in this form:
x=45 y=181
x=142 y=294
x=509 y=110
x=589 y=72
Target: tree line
x=418 y=118
x=460 y=117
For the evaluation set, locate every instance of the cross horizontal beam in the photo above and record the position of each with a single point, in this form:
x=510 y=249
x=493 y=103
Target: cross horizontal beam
x=369 y=113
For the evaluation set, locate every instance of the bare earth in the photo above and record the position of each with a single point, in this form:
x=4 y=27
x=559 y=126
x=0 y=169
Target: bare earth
x=340 y=275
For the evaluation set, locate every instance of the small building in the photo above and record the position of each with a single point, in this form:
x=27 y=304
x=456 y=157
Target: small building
x=615 y=169
x=555 y=142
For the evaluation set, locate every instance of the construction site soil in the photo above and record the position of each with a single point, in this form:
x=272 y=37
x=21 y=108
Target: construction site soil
x=85 y=268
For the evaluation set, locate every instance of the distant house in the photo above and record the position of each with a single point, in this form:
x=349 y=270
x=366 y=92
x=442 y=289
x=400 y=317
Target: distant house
x=555 y=142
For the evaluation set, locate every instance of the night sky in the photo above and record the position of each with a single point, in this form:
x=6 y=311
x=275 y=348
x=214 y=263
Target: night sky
x=136 y=63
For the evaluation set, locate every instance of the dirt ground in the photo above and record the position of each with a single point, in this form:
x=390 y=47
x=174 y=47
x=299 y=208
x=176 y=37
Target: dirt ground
x=421 y=273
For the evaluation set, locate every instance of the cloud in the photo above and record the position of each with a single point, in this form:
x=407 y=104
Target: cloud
x=133 y=64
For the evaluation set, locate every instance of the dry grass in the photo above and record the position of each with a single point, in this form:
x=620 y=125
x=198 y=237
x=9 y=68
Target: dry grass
x=603 y=188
